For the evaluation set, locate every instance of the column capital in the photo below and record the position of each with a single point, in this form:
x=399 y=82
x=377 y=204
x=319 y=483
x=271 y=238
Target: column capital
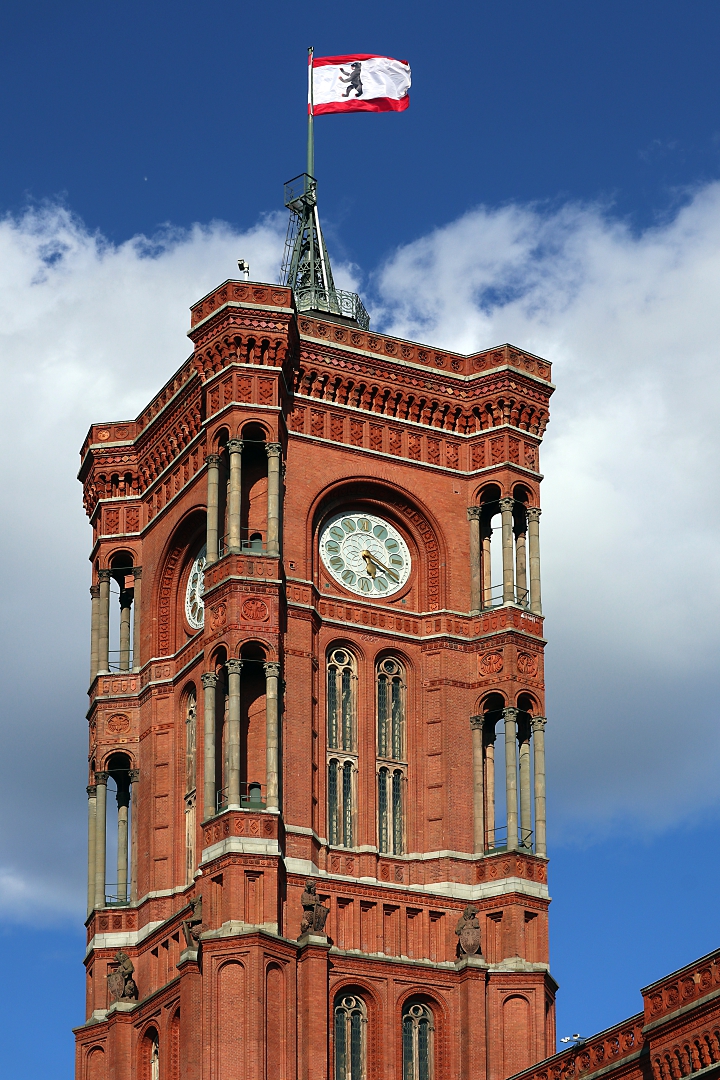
x=533 y=513
x=234 y=446
x=234 y=667
x=507 y=503
x=538 y=723
x=133 y=775
x=94 y=591
x=91 y=790
x=137 y=572
x=476 y=722
x=474 y=513
x=213 y=461
x=272 y=669
x=209 y=678
x=101 y=778
x=511 y=713
x=273 y=449
x=104 y=575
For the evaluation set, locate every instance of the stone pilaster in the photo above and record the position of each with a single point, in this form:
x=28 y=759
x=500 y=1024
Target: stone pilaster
x=534 y=554
x=538 y=730
x=209 y=681
x=234 y=667
x=213 y=507
x=506 y=511
x=473 y=513
x=272 y=734
x=234 y=536
x=273 y=451
x=476 y=725
x=511 y=794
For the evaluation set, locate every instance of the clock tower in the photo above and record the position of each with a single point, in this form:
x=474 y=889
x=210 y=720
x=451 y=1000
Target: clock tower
x=316 y=784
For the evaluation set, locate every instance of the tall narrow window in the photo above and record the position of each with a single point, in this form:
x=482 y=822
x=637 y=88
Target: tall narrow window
x=341 y=736
x=341 y=684
x=350 y=1038
x=391 y=709
x=418 y=1036
x=341 y=802
x=392 y=754
x=190 y=782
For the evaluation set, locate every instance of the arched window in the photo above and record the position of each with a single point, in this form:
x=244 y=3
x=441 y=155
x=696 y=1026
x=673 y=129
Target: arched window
x=391 y=750
x=418 y=1032
x=341 y=698
x=390 y=683
x=350 y=1037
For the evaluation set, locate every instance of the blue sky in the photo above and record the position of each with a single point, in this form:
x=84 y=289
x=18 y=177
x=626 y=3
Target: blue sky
x=554 y=183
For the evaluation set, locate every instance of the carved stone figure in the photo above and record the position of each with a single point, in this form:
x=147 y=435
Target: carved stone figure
x=192 y=927
x=121 y=984
x=314 y=913
x=468 y=930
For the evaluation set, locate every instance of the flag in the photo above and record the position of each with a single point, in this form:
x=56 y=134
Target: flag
x=360 y=83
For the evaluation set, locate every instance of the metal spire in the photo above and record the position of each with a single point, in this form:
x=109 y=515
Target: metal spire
x=306 y=264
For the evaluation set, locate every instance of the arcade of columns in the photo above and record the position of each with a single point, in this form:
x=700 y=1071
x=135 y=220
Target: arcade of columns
x=520 y=546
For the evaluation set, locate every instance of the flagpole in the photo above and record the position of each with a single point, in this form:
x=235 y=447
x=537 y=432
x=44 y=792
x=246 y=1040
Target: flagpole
x=311 y=134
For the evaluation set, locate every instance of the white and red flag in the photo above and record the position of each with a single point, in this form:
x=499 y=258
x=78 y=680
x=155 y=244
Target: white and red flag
x=359 y=83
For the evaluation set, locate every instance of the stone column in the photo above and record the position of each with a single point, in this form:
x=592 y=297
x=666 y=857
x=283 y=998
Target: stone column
x=122 y=781
x=506 y=510
x=213 y=507
x=473 y=513
x=234 y=667
x=521 y=556
x=525 y=798
x=104 y=622
x=486 y=539
x=101 y=779
x=94 y=629
x=511 y=795
x=209 y=681
x=92 y=804
x=137 y=658
x=272 y=736
x=534 y=553
x=234 y=537
x=476 y=726
x=538 y=730
x=490 y=788
x=125 y=604
x=273 y=451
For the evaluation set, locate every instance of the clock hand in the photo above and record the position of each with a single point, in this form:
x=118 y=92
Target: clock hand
x=369 y=564
x=369 y=557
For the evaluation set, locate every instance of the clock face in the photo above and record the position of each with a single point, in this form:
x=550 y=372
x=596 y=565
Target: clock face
x=366 y=554
x=194 y=606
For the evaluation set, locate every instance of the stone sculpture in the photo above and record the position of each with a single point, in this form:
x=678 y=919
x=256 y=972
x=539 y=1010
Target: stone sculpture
x=468 y=930
x=192 y=927
x=121 y=984
x=314 y=913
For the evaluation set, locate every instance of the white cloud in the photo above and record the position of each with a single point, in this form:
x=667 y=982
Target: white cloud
x=631 y=562
x=89 y=330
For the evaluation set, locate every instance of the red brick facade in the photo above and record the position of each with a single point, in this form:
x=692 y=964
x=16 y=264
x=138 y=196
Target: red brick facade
x=676 y=1035
x=431 y=445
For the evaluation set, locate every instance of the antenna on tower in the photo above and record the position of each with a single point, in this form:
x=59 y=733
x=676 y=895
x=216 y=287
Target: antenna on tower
x=306 y=265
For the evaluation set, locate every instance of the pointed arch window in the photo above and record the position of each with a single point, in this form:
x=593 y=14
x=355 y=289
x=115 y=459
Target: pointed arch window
x=350 y=1038
x=418 y=1034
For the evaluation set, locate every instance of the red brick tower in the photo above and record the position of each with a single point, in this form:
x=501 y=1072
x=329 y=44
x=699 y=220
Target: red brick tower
x=296 y=720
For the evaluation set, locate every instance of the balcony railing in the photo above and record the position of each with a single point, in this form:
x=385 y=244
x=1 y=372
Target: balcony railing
x=335 y=302
x=114 y=898
x=251 y=797
x=497 y=841
x=494 y=597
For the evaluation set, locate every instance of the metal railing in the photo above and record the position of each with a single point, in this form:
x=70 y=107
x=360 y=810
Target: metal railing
x=497 y=840
x=493 y=597
x=335 y=302
x=114 y=899
x=253 y=543
x=251 y=797
x=114 y=662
